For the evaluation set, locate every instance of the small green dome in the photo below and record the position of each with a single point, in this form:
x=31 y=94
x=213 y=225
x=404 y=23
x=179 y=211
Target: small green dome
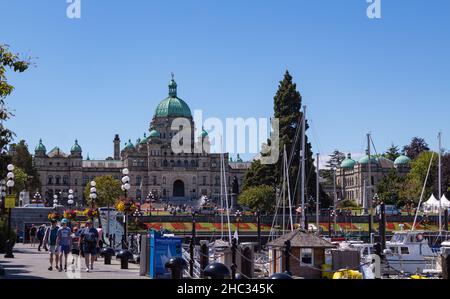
x=348 y=163
x=40 y=147
x=76 y=148
x=154 y=134
x=173 y=106
x=203 y=134
x=402 y=160
x=365 y=160
x=144 y=139
x=129 y=145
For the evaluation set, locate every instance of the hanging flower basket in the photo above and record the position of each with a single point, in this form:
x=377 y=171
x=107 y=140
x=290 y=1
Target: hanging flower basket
x=90 y=213
x=54 y=216
x=126 y=206
x=70 y=214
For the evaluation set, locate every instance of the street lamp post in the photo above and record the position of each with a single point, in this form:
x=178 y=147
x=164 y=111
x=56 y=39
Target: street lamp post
x=93 y=195
x=2 y=195
x=125 y=187
x=10 y=185
x=70 y=201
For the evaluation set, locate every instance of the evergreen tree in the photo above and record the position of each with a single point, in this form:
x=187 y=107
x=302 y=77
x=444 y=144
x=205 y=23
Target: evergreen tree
x=392 y=153
x=417 y=146
x=22 y=159
x=287 y=104
x=335 y=160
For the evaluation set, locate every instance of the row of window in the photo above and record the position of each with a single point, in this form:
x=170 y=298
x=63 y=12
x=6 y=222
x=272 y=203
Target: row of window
x=58 y=180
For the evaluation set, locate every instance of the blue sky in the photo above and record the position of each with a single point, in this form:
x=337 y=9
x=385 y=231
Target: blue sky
x=106 y=72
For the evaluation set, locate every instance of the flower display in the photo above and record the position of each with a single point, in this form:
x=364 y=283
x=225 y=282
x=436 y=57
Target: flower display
x=126 y=205
x=54 y=216
x=90 y=213
x=70 y=214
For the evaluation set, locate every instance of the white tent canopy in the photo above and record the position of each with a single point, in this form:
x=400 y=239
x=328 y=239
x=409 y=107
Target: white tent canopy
x=432 y=204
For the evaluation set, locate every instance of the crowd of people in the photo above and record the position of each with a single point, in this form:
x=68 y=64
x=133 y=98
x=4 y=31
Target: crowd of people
x=60 y=240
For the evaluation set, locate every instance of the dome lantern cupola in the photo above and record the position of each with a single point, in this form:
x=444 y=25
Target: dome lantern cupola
x=76 y=148
x=172 y=87
x=40 y=147
x=129 y=145
x=173 y=106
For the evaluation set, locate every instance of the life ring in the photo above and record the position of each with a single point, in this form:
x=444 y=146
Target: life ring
x=419 y=237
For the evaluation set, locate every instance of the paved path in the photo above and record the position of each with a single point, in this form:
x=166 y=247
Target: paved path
x=28 y=263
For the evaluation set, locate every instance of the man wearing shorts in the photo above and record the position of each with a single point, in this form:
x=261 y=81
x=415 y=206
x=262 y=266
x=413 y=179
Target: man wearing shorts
x=88 y=241
x=51 y=234
x=64 y=243
x=75 y=243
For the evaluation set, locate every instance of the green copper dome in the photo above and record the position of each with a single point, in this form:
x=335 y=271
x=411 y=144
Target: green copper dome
x=348 y=163
x=173 y=106
x=365 y=160
x=40 y=147
x=129 y=145
x=154 y=134
x=76 y=148
x=144 y=140
x=402 y=160
x=203 y=134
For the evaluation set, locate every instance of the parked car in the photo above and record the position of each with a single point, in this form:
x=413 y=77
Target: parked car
x=390 y=210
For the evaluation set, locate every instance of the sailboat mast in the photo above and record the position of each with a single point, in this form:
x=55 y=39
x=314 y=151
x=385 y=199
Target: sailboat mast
x=439 y=180
x=317 y=194
x=369 y=185
x=283 y=190
x=303 y=154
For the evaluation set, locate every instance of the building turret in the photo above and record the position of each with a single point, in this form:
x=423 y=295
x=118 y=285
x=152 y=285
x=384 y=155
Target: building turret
x=116 y=147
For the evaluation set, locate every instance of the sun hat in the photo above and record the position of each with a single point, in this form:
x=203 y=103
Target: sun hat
x=64 y=221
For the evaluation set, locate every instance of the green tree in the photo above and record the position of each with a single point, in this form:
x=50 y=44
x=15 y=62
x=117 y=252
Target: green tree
x=416 y=177
x=390 y=187
x=335 y=160
x=392 y=153
x=258 y=197
x=416 y=146
x=21 y=180
x=8 y=60
x=108 y=191
x=287 y=104
x=22 y=158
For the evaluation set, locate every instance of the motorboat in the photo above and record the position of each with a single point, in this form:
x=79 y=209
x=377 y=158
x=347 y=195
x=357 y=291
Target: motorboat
x=409 y=252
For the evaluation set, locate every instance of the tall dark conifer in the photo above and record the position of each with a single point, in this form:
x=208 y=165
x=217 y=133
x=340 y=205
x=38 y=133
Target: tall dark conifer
x=287 y=105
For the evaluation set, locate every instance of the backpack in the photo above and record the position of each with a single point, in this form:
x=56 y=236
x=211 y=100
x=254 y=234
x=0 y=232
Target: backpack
x=89 y=236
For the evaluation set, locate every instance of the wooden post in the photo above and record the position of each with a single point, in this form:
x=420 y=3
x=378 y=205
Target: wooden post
x=287 y=253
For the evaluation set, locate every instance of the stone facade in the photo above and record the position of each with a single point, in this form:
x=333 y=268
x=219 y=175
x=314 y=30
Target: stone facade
x=153 y=164
x=352 y=176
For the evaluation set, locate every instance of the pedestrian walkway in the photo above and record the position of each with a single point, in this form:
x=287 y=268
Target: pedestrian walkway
x=28 y=263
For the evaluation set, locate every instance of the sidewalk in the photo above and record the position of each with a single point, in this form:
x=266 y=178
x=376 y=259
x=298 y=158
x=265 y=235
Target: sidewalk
x=28 y=263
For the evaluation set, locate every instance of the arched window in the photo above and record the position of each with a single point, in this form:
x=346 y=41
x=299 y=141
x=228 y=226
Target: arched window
x=164 y=180
x=65 y=180
x=165 y=163
x=178 y=163
x=50 y=180
x=193 y=163
x=57 y=180
x=186 y=163
x=138 y=180
x=217 y=180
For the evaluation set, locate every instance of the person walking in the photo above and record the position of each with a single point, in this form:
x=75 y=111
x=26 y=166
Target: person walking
x=63 y=242
x=33 y=232
x=50 y=239
x=88 y=241
x=75 y=236
x=40 y=236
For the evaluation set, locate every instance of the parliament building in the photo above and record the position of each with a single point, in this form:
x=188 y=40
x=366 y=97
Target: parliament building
x=153 y=164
